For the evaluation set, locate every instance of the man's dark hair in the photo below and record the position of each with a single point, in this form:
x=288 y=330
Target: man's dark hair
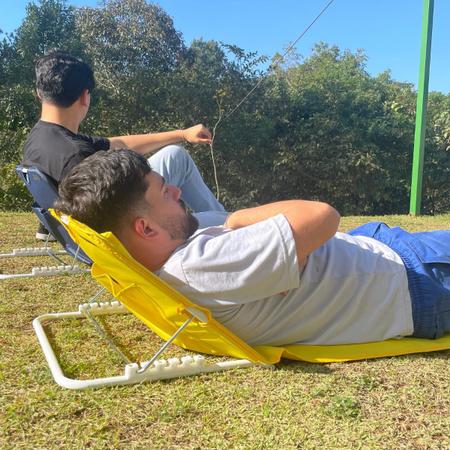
x=61 y=78
x=104 y=189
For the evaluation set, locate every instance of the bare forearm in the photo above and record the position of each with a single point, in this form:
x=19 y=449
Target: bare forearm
x=249 y=216
x=147 y=143
x=312 y=223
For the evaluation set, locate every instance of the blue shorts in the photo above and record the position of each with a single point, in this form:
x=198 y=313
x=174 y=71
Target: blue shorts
x=427 y=260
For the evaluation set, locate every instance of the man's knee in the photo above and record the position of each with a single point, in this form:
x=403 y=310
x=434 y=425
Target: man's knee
x=173 y=163
x=174 y=152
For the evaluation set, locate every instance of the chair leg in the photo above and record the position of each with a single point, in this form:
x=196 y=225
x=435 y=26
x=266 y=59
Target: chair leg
x=46 y=271
x=43 y=271
x=154 y=369
x=32 y=251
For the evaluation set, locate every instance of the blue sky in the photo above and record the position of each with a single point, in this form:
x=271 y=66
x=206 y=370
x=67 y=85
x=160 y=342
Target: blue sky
x=388 y=30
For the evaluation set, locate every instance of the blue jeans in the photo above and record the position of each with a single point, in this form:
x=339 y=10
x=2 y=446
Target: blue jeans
x=177 y=167
x=427 y=261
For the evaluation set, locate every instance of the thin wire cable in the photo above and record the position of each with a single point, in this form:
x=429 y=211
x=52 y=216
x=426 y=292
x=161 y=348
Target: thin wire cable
x=281 y=58
x=211 y=146
x=273 y=65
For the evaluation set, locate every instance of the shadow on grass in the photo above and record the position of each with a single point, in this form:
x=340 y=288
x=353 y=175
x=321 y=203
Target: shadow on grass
x=324 y=368
x=69 y=339
x=441 y=355
x=304 y=367
x=134 y=340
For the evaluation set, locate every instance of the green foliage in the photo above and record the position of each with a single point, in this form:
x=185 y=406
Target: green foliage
x=210 y=84
x=317 y=128
x=47 y=25
x=436 y=165
x=343 y=408
x=339 y=139
x=135 y=50
x=17 y=109
x=13 y=194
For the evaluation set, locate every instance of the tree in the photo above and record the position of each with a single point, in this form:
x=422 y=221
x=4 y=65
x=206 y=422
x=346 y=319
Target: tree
x=213 y=79
x=332 y=137
x=47 y=25
x=436 y=173
x=318 y=127
x=135 y=50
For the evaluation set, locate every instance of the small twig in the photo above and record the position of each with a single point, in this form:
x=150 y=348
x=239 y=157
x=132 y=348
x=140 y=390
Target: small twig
x=211 y=146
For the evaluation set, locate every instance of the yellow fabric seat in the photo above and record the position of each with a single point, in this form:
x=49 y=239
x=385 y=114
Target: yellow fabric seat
x=164 y=310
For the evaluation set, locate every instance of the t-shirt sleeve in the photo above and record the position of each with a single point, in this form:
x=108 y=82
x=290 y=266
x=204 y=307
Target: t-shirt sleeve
x=242 y=265
x=87 y=146
x=98 y=143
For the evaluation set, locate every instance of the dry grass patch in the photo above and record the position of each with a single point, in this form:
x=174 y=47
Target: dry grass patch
x=401 y=402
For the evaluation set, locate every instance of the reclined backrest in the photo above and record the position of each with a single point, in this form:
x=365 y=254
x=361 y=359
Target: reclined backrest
x=160 y=307
x=164 y=310
x=44 y=192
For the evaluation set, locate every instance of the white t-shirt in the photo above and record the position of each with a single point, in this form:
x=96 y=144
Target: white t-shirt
x=352 y=289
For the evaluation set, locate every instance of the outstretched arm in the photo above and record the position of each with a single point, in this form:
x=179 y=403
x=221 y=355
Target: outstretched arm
x=312 y=223
x=149 y=143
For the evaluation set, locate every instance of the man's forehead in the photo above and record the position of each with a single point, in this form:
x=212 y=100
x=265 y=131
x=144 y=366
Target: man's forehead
x=154 y=178
x=154 y=181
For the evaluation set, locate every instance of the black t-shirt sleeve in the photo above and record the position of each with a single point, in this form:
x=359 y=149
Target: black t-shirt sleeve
x=98 y=143
x=87 y=146
x=55 y=150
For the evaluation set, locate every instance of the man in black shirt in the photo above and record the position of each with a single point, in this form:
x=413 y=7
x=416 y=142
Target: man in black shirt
x=64 y=84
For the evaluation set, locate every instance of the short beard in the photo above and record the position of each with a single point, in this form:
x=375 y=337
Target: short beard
x=192 y=225
x=180 y=228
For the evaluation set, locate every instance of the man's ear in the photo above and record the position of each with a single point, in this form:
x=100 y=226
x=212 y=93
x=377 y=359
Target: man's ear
x=84 y=97
x=144 y=228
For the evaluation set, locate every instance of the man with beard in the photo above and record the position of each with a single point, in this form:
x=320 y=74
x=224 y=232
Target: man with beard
x=64 y=85
x=275 y=274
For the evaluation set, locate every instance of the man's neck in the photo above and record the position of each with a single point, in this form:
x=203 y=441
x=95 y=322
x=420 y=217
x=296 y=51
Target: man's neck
x=155 y=258
x=60 y=116
x=152 y=257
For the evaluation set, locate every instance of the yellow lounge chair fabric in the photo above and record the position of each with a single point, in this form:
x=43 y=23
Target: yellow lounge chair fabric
x=163 y=310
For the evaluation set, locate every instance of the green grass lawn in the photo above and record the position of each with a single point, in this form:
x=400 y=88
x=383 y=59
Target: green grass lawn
x=391 y=403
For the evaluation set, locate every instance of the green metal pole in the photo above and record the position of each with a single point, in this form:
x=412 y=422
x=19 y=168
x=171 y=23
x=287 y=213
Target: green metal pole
x=421 y=108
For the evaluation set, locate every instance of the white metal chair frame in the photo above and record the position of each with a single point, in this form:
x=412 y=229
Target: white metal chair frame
x=155 y=368
x=44 y=193
x=43 y=271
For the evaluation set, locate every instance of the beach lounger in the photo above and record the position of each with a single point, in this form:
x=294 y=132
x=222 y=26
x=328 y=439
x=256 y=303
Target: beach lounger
x=177 y=320
x=44 y=193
